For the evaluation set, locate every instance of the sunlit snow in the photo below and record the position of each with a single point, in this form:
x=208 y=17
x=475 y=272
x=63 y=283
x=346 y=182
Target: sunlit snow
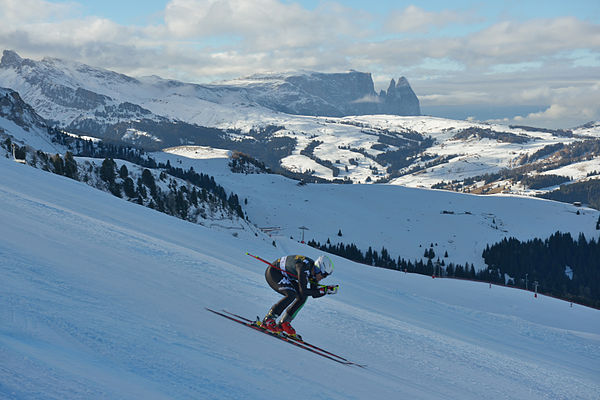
x=102 y=298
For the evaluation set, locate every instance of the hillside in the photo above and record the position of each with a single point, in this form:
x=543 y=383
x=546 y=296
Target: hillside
x=104 y=298
x=403 y=220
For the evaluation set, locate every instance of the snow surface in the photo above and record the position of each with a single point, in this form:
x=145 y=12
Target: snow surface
x=35 y=137
x=577 y=170
x=102 y=298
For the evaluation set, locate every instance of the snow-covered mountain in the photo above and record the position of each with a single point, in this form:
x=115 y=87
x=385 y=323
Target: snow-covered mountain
x=71 y=90
x=334 y=95
x=20 y=121
x=256 y=115
x=102 y=298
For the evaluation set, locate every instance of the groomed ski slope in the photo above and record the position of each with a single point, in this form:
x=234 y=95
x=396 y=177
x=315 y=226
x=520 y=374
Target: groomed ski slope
x=104 y=299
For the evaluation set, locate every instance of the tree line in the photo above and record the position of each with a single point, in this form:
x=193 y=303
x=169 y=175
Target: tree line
x=185 y=201
x=563 y=267
x=382 y=259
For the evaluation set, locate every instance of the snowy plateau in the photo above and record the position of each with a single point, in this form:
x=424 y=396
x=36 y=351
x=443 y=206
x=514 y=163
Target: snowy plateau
x=101 y=298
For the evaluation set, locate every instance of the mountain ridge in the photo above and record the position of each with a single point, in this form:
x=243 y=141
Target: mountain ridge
x=417 y=151
x=306 y=93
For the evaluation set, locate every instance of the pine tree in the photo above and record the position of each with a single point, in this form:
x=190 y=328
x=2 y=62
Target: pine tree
x=194 y=197
x=107 y=170
x=141 y=189
x=123 y=172
x=128 y=187
x=59 y=165
x=148 y=180
x=70 y=166
x=369 y=256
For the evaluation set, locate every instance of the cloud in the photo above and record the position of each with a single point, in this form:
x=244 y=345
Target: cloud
x=269 y=34
x=552 y=62
x=518 y=42
x=263 y=25
x=18 y=12
x=506 y=44
x=555 y=111
x=569 y=107
x=199 y=40
x=415 y=19
x=368 y=99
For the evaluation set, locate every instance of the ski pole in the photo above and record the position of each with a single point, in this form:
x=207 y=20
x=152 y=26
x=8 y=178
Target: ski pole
x=260 y=259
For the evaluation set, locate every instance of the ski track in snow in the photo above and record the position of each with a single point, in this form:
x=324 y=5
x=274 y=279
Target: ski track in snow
x=401 y=346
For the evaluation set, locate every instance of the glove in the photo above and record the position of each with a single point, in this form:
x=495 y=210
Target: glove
x=332 y=289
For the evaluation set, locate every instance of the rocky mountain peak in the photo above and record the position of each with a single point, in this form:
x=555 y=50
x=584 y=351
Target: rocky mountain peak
x=333 y=94
x=13 y=108
x=392 y=86
x=399 y=99
x=10 y=59
x=402 y=82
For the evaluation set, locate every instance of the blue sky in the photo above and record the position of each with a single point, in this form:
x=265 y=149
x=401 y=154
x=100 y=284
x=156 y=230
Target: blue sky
x=132 y=12
x=527 y=62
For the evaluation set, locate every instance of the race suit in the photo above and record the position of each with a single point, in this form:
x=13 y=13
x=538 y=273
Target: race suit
x=289 y=276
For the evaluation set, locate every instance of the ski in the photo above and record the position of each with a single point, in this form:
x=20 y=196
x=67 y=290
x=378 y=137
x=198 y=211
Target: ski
x=283 y=338
x=300 y=341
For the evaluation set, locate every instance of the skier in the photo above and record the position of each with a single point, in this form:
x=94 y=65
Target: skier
x=291 y=276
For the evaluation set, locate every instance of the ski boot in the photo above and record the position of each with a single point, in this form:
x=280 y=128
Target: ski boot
x=287 y=329
x=270 y=325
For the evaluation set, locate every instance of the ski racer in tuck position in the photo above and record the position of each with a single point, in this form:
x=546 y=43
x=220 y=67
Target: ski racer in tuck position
x=295 y=277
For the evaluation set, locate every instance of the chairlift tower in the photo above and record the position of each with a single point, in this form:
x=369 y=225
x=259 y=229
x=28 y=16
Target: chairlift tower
x=303 y=228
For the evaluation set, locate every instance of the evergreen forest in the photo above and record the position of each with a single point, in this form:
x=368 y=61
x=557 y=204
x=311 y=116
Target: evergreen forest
x=558 y=266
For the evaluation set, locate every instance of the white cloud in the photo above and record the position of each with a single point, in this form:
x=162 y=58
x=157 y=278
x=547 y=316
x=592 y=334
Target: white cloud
x=78 y=31
x=259 y=24
x=507 y=44
x=17 y=12
x=569 y=107
x=553 y=62
x=555 y=111
x=368 y=99
x=518 y=42
x=537 y=94
x=516 y=67
x=415 y=19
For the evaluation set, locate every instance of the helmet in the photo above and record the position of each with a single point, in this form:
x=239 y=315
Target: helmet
x=324 y=266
